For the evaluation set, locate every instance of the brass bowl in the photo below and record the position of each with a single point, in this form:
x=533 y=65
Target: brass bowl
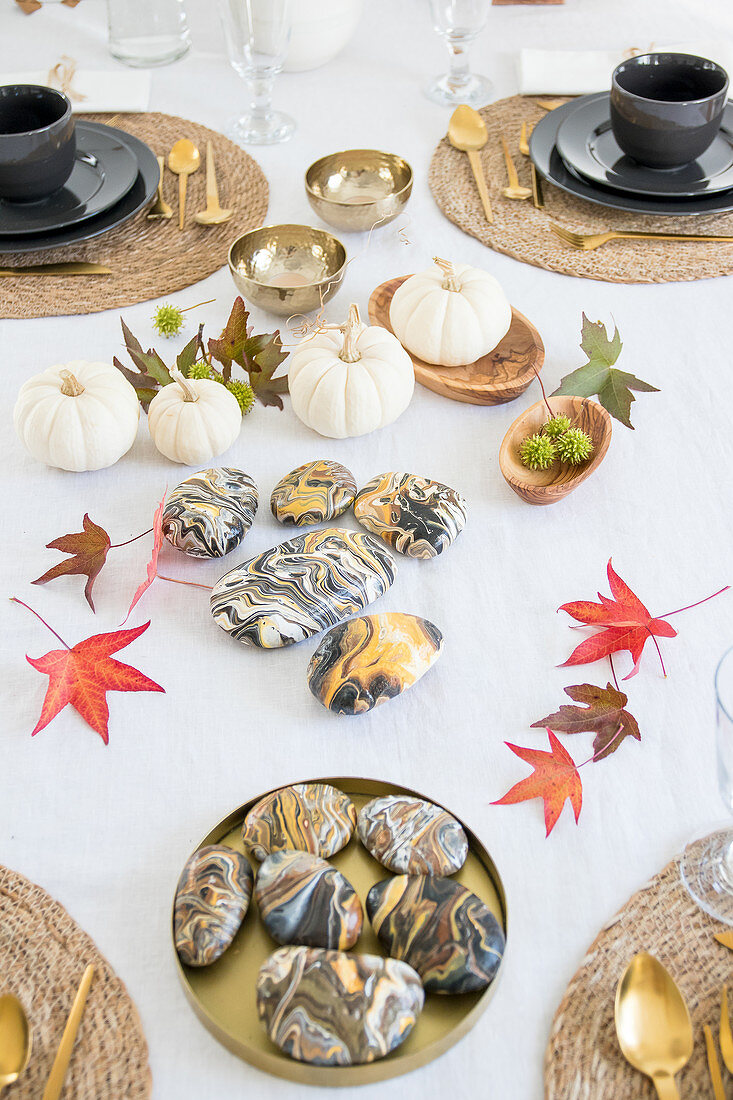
x=358 y=188
x=287 y=269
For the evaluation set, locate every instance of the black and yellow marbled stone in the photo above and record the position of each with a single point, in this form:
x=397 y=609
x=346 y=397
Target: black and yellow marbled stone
x=212 y=899
x=209 y=513
x=307 y=817
x=411 y=836
x=440 y=928
x=315 y=492
x=415 y=515
x=332 y=1008
x=303 y=899
x=368 y=661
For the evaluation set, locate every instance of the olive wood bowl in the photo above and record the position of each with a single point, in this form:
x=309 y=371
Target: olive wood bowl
x=549 y=486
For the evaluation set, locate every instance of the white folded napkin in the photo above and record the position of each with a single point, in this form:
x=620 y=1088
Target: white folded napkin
x=89 y=90
x=579 y=72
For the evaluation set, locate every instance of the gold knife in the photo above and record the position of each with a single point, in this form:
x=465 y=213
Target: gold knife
x=60 y=1065
x=726 y=938
x=724 y=1035
x=70 y=267
x=713 y=1066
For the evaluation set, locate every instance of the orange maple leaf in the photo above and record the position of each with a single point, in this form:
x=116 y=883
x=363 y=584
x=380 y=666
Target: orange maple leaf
x=152 y=567
x=555 y=779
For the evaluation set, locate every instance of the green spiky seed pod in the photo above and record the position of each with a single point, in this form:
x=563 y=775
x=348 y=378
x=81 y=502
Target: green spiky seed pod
x=574 y=447
x=200 y=370
x=557 y=426
x=243 y=393
x=537 y=452
x=168 y=320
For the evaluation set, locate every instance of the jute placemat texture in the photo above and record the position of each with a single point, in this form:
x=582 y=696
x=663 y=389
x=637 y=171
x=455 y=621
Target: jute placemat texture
x=583 y=1060
x=523 y=232
x=43 y=953
x=149 y=259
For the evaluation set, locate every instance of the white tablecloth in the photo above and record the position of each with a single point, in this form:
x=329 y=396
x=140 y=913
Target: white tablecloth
x=106 y=830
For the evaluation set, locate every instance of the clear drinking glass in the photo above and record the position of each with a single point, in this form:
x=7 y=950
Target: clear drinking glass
x=706 y=866
x=257 y=34
x=459 y=22
x=143 y=33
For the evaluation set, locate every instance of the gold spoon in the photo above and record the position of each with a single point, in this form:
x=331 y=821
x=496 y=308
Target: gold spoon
x=652 y=1023
x=513 y=191
x=183 y=159
x=213 y=214
x=467 y=133
x=15 y=1040
x=160 y=208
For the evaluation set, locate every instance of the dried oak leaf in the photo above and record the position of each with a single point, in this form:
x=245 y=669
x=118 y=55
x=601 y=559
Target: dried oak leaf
x=555 y=779
x=604 y=714
x=259 y=356
x=89 y=553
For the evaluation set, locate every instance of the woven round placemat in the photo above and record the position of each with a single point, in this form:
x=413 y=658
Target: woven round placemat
x=43 y=953
x=149 y=259
x=523 y=232
x=583 y=1060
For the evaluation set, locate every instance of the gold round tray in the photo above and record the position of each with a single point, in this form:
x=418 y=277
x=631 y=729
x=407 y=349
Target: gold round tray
x=223 y=994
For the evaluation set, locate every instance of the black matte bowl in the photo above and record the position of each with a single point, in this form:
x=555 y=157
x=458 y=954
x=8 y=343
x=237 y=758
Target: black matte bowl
x=37 y=141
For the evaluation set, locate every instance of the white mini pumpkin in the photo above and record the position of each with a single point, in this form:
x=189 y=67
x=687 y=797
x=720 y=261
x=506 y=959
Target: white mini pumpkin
x=351 y=380
x=450 y=315
x=193 y=420
x=77 y=416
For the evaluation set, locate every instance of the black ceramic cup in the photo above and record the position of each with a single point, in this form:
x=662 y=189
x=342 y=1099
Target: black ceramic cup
x=666 y=108
x=37 y=141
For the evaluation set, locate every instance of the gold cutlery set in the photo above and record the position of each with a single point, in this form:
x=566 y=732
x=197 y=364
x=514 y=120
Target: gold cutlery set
x=183 y=160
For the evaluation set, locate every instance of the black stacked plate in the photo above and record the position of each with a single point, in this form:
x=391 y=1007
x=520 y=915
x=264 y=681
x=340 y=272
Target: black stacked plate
x=574 y=148
x=114 y=177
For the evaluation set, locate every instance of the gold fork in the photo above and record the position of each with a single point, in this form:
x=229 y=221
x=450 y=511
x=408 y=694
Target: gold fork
x=587 y=241
x=724 y=1036
x=713 y=1065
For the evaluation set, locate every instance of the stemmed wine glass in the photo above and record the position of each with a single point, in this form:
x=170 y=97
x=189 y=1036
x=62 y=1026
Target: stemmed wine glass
x=459 y=22
x=706 y=866
x=257 y=34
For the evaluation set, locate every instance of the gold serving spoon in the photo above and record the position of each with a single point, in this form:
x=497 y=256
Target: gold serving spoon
x=160 y=208
x=652 y=1023
x=514 y=190
x=467 y=133
x=183 y=159
x=213 y=214
x=15 y=1040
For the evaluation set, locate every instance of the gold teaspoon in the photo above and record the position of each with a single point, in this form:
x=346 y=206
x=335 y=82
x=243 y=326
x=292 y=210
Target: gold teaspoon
x=15 y=1040
x=467 y=132
x=183 y=159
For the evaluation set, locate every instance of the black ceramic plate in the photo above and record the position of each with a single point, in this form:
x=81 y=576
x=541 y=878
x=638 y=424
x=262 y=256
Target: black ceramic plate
x=550 y=164
x=104 y=171
x=140 y=195
x=586 y=143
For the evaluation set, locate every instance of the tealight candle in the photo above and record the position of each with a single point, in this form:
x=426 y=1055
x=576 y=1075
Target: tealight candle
x=289 y=278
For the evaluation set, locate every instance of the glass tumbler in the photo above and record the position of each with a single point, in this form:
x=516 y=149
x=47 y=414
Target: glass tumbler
x=143 y=33
x=257 y=36
x=706 y=866
x=459 y=22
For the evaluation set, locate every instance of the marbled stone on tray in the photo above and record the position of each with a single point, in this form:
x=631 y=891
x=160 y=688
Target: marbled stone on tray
x=411 y=836
x=415 y=515
x=368 y=661
x=313 y=493
x=212 y=899
x=331 y=1008
x=209 y=513
x=303 y=899
x=440 y=928
x=307 y=817
x=302 y=586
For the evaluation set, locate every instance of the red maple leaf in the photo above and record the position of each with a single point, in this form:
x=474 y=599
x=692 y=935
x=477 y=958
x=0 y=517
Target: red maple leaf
x=89 y=553
x=152 y=567
x=555 y=779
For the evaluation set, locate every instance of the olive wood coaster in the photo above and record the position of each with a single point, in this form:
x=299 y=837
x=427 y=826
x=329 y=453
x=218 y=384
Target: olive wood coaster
x=549 y=486
x=494 y=379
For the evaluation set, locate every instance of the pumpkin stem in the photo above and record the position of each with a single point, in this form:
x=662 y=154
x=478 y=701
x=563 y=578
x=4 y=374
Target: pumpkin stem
x=188 y=391
x=351 y=330
x=450 y=282
x=71 y=386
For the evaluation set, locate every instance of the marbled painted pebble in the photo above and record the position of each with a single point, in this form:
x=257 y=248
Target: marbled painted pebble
x=415 y=515
x=364 y=662
x=302 y=586
x=313 y=493
x=307 y=817
x=440 y=928
x=331 y=1008
x=209 y=514
x=212 y=899
x=302 y=899
x=412 y=837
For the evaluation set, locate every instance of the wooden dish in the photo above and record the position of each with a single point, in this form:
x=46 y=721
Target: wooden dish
x=549 y=486
x=494 y=379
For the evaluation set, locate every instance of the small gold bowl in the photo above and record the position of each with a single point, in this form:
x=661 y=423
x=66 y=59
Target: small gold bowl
x=358 y=188
x=287 y=269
